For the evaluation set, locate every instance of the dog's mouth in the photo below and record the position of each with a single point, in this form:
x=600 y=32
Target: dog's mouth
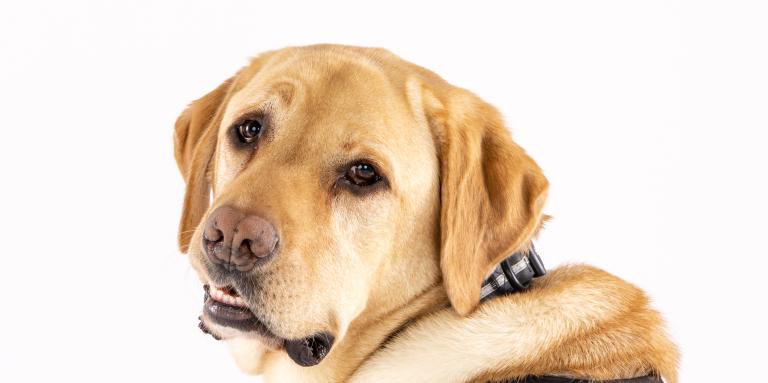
x=226 y=310
x=224 y=307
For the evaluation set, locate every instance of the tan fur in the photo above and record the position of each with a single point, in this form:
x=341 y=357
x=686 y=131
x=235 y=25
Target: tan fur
x=578 y=321
x=395 y=274
x=481 y=168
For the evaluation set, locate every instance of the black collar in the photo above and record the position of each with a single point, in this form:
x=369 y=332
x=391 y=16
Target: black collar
x=513 y=274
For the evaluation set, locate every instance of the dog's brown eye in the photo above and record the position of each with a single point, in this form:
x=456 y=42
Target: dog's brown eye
x=248 y=131
x=362 y=174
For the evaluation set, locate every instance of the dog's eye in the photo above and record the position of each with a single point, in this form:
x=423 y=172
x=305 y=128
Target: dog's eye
x=362 y=174
x=248 y=131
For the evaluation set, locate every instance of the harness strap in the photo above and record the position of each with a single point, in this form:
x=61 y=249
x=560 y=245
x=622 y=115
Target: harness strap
x=559 y=379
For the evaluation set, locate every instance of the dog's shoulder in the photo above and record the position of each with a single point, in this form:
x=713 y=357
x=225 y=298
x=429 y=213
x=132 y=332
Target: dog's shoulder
x=577 y=321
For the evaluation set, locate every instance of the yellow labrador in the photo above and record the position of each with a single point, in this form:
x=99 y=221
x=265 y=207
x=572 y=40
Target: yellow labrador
x=346 y=210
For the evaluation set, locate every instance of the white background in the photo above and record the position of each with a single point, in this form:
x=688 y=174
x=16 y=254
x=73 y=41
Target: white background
x=648 y=117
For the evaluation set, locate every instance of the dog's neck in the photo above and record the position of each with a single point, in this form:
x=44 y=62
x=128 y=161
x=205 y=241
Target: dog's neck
x=378 y=332
x=365 y=336
x=386 y=315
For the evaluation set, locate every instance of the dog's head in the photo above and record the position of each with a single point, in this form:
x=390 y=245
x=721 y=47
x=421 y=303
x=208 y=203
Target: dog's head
x=328 y=182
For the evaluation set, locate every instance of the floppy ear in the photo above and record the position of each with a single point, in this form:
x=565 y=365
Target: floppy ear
x=491 y=192
x=194 y=142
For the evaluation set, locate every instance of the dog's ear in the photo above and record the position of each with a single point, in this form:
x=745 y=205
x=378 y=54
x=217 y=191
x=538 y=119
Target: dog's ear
x=194 y=142
x=491 y=192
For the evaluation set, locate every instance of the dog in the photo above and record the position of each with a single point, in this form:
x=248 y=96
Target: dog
x=343 y=209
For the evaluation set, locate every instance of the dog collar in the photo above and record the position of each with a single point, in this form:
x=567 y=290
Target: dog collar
x=513 y=274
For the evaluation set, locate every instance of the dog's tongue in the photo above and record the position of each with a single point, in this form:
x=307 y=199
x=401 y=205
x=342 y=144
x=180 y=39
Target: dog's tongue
x=311 y=350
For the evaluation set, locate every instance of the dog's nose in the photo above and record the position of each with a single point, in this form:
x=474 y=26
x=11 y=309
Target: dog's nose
x=237 y=240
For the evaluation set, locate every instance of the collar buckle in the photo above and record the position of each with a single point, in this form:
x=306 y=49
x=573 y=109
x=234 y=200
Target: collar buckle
x=513 y=274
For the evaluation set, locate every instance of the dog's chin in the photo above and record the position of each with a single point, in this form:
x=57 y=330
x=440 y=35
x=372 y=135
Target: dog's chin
x=225 y=333
x=226 y=316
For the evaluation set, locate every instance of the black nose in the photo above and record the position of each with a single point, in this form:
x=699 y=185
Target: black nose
x=237 y=240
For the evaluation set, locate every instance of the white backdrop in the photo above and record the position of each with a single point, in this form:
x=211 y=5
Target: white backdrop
x=648 y=117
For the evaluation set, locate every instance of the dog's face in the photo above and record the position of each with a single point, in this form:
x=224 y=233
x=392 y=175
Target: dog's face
x=344 y=181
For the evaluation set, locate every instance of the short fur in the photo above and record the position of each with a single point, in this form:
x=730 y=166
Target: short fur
x=396 y=274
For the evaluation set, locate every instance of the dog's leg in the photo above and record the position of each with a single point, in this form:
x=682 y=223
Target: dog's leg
x=577 y=321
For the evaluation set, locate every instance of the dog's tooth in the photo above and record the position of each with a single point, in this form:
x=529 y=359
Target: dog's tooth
x=223 y=296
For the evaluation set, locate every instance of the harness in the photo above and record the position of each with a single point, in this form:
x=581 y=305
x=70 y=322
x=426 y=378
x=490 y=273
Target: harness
x=515 y=274
x=558 y=379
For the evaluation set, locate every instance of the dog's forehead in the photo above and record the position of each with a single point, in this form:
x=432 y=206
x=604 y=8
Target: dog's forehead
x=340 y=94
x=328 y=105
x=321 y=82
